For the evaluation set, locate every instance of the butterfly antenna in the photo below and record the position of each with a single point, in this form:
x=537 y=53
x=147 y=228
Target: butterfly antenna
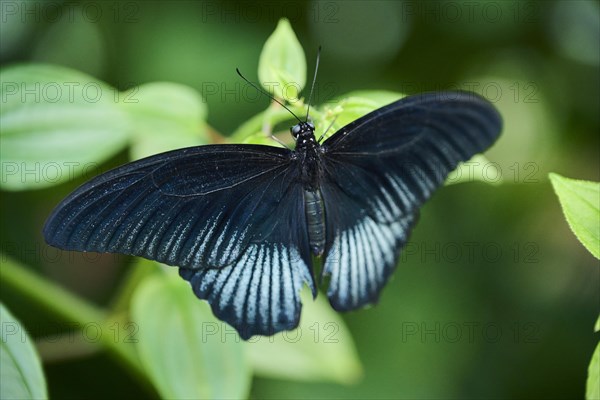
x=313 y=83
x=280 y=142
x=327 y=130
x=267 y=94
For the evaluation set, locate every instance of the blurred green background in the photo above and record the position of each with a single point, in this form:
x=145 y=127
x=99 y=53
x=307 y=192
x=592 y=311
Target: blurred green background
x=494 y=296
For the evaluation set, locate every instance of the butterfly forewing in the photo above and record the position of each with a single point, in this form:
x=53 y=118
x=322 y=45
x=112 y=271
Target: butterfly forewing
x=378 y=171
x=160 y=207
x=431 y=116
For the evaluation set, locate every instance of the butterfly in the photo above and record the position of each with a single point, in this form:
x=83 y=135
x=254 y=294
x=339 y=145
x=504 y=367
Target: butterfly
x=243 y=221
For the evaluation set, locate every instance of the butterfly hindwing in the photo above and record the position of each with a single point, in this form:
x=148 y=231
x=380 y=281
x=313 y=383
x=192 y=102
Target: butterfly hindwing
x=259 y=293
x=361 y=250
x=379 y=170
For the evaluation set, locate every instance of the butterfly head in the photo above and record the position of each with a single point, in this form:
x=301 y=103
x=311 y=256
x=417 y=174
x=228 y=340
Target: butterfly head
x=303 y=131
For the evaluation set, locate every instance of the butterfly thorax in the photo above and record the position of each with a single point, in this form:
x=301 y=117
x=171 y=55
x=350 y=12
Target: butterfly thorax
x=308 y=153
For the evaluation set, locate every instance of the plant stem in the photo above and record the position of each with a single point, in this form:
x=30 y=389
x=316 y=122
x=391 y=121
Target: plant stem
x=70 y=308
x=48 y=294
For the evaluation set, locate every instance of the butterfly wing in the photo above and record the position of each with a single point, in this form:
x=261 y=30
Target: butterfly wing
x=221 y=213
x=259 y=293
x=379 y=170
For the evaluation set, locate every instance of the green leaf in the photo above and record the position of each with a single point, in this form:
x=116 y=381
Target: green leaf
x=55 y=124
x=352 y=106
x=165 y=116
x=592 y=390
x=282 y=64
x=478 y=168
x=178 y=346
x=320 y=349
x=580 y=202
x=21 y=373
x=337 y=114
x=379 y=97
x=597 y=326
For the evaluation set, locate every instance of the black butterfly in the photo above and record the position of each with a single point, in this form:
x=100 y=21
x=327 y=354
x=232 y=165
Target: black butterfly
x=241 y=221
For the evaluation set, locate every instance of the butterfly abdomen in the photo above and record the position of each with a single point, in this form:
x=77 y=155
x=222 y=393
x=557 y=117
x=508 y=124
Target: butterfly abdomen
x=315 y=218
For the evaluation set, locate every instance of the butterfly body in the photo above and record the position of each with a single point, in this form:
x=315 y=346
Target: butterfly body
x=241 y=221
x=308 y=153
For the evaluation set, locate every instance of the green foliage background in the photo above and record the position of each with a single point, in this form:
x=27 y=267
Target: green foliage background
x=494 y=296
